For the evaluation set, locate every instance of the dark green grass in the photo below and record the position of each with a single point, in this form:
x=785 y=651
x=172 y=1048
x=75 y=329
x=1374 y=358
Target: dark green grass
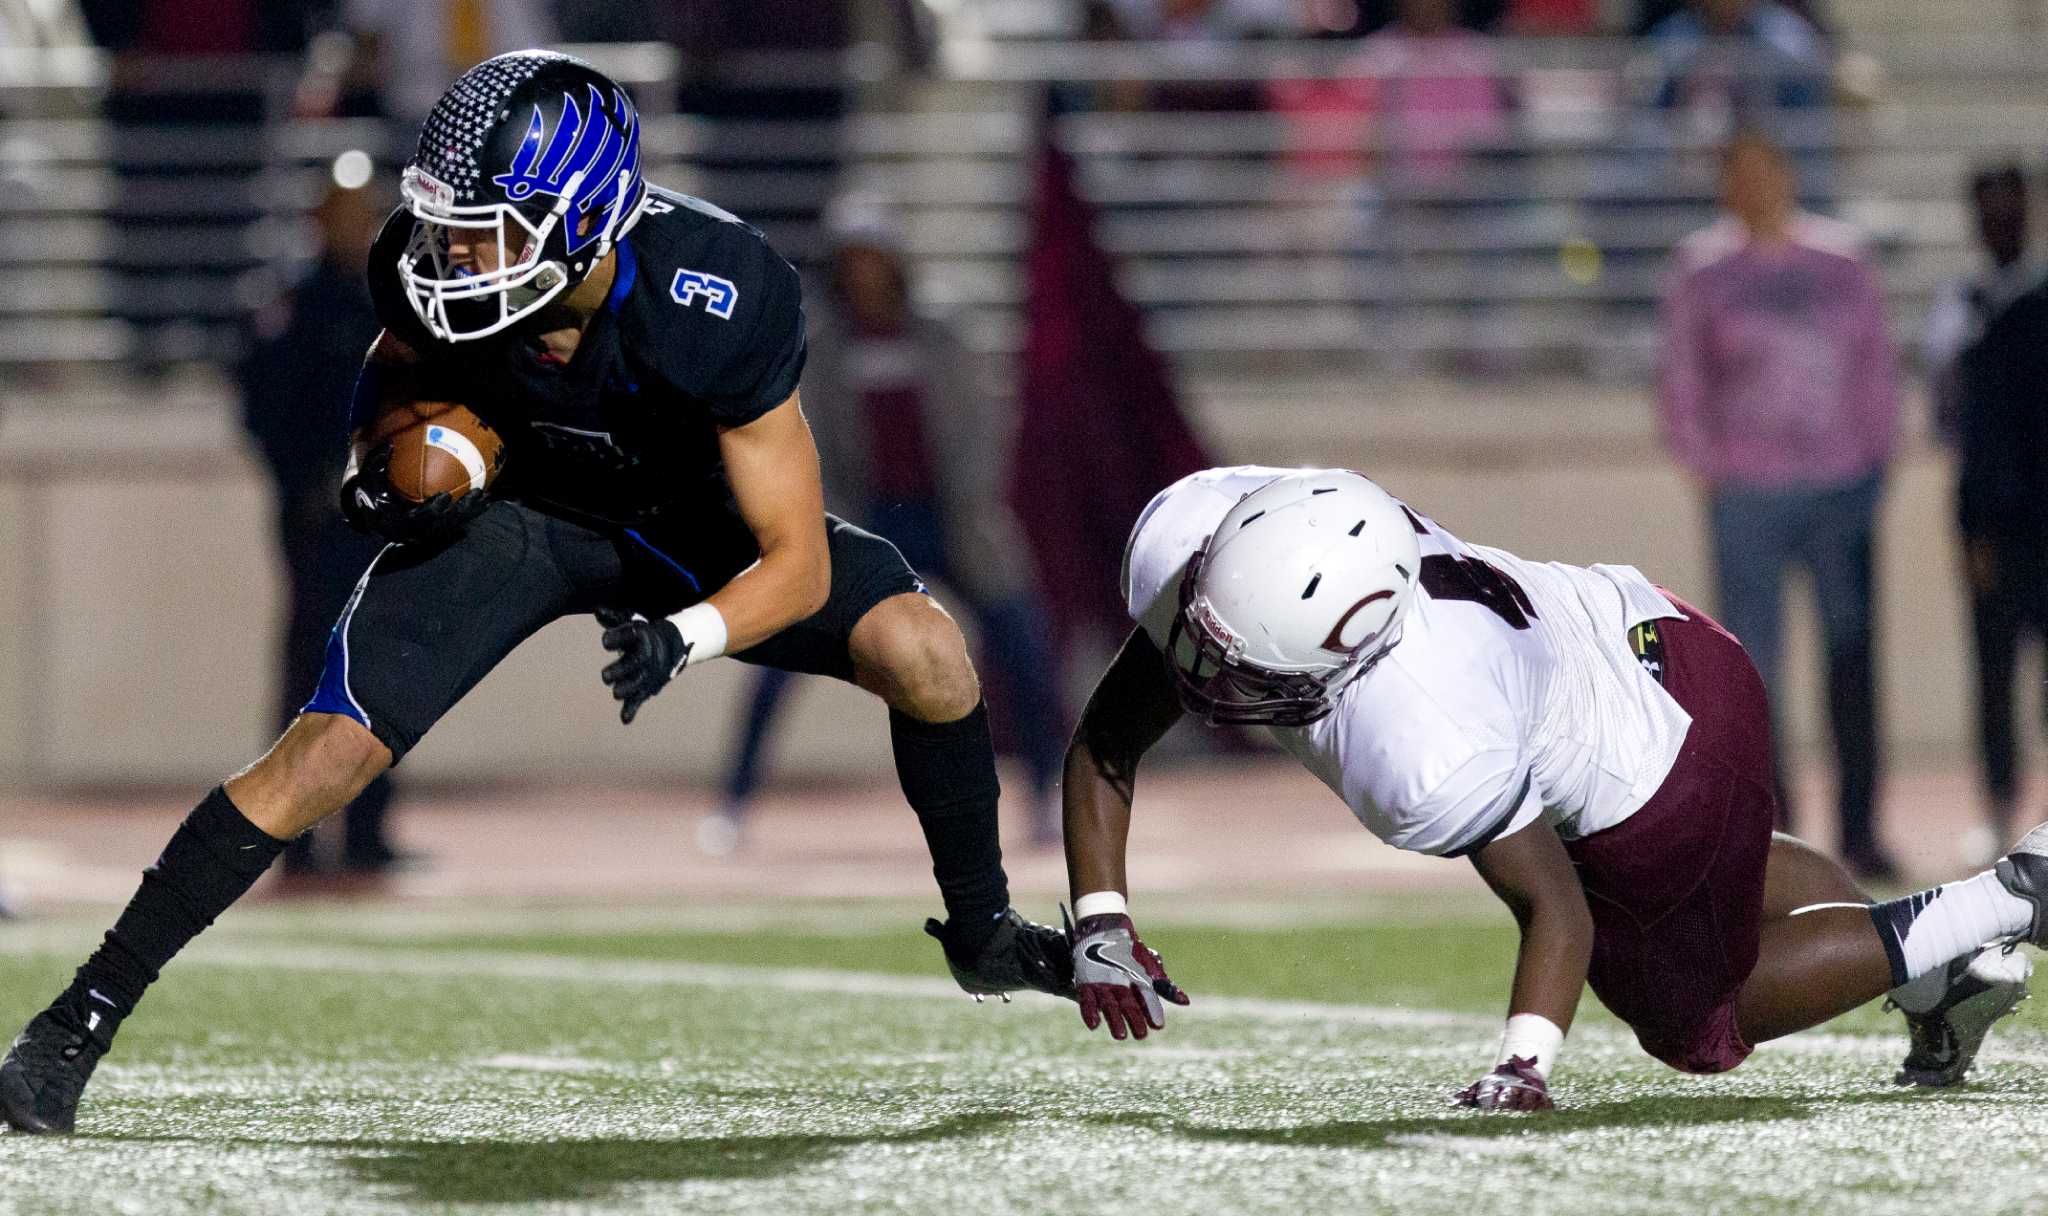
x=268 y=1089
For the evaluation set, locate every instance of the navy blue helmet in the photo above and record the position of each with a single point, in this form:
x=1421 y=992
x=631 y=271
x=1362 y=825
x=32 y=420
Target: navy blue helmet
x=529 y=166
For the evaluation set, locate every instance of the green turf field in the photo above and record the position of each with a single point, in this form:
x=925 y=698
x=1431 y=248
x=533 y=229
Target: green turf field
x=804 y=1058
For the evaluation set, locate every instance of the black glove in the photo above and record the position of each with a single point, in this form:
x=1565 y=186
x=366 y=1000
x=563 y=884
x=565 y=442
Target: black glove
x=371 y=505
x=651 y=653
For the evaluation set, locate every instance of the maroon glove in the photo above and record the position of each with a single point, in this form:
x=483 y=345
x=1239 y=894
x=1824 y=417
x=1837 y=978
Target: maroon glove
x=1120 y=980
x=1515 y=1085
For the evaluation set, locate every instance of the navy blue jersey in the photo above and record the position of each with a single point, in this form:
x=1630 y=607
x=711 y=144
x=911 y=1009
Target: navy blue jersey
x=703 y=327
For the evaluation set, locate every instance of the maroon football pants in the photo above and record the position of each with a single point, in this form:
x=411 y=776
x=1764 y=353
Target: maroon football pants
x=1677 y=889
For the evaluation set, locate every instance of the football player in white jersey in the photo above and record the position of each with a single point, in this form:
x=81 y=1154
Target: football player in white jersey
x=1598 y=749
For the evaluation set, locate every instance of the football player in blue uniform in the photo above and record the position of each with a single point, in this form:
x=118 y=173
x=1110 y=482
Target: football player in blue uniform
x=638 y=351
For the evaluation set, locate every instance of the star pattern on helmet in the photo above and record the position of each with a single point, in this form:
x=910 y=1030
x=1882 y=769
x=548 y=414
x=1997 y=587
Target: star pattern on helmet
x=452 y=139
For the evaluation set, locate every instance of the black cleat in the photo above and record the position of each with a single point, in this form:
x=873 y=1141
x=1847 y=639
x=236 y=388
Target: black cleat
x=2024 y=872
x=1981 y=989
x=45 y=1072
x=1018 y=955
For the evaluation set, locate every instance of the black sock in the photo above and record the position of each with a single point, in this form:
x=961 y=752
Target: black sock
x=948 y=773
x=213 y=857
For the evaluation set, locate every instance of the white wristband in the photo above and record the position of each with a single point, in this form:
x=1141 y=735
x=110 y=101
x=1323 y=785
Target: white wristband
x=1101 y=903
x=1532 y=1037
x=703 y=630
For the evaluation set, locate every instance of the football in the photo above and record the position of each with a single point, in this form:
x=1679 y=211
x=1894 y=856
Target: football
x=437 y=447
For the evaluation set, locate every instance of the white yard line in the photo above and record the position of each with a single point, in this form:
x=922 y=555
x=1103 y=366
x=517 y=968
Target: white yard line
x=1483 y=1146
x=519 y=1063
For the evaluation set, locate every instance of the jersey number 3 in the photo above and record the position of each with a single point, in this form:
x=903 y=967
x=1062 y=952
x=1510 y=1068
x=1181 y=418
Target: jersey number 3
x=719 y=295
x=1474 y=581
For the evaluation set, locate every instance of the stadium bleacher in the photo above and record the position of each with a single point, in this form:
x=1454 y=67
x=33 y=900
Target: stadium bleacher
x=1545 y=249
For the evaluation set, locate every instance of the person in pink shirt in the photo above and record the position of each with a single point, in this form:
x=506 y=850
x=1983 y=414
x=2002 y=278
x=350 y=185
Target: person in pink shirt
x=1779 y=392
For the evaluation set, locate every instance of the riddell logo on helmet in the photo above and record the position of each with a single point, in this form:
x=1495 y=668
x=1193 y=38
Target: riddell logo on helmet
x=1206 y=617
x=428 y=188
x=1336 y=644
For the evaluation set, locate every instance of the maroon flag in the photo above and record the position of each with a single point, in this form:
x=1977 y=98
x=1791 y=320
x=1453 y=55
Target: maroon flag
x=1100 y=427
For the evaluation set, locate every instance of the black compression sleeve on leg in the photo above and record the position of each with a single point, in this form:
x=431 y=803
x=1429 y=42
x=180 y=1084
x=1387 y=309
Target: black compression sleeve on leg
x=213 y=857
x=948 y=773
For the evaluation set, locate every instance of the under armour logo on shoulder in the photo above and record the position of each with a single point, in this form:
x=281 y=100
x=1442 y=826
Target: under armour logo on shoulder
x=720 y=295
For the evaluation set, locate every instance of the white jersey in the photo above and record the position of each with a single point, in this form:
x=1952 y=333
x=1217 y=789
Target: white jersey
x=1512 y=694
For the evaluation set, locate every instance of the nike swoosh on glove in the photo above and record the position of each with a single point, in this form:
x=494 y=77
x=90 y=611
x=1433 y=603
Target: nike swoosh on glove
x=1119 y=980
x=1515 y=1085
x=650 y=654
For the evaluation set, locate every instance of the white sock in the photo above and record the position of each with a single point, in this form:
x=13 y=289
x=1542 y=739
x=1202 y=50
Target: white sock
x=1925 y=930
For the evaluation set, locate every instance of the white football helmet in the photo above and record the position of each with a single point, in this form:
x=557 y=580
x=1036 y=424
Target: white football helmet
x=1300 y=590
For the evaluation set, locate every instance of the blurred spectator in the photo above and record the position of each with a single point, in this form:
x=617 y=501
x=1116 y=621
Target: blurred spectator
x=1649 y=12
x=1435 y=90
x=26 y=23
x=1195 y=34
x=1574 y=18
x=1357 y=18
x=786 y=61
x=1998 y=199
x=1207 y=20
x=1424 y=88
x=1728 y=64
x=913 y=449
x=724 y=44
x=1100 y=22
x=1982 y=344
x=296 y=385
x=411 y=49
x=1780 y=393
x=1391 y=139
x=181 y=73
x=610 y=21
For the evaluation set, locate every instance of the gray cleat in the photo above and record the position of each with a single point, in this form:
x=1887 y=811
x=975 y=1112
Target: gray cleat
x=1982 y=988
x=2024 y=871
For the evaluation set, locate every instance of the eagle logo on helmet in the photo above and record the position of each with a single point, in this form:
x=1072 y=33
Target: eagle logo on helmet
x=586 y=152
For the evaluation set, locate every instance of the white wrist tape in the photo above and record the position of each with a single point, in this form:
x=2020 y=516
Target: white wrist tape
x=1101 y=903
x=1532 y=1037
x=703 y=630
